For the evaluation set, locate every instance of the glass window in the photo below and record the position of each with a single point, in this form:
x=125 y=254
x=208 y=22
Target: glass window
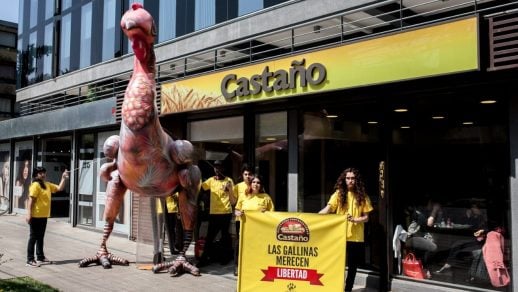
x=450 y=161
x=64 y=56
x=20 y=19
x=31 y=48
x=49 y=8
x=271 y=156
x=109 y=23
x=5 y=169
x=48 y=49
x=66 y=4
x=204 y=13
x=21 y=72
x=86 y=180
x=86 y=35
x=7 y=39
x=7 y=72
x=22 y=175
x=167 y=16
x=33 y=20
x=248 y=6
x=217 y=139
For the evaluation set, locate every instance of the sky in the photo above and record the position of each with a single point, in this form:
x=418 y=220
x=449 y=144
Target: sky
x=9 y=10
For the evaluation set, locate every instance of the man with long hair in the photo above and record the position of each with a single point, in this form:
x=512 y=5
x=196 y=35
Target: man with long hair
x=350 y=199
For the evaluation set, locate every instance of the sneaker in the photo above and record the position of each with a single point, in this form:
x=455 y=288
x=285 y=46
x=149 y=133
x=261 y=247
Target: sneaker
x=44 y=261
x=32 y=263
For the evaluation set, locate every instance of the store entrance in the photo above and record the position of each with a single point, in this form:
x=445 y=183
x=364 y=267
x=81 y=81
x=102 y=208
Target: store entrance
x=336 y=137
x=54 y=154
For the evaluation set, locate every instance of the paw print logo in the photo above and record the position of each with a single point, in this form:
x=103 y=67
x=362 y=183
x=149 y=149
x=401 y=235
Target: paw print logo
x=291 y=287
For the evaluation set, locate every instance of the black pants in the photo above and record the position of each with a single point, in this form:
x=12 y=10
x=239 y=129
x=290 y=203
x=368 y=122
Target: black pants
x=174 y=233
x=355 y=257
x=236 y=251
x=218 y=223
x=37 y=232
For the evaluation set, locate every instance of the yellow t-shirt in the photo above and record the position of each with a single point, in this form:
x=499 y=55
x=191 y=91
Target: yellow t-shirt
x=219 y=199
x=42 y=197
x=254 y=202
x=170 y=202
x=239 y=190
x=355 y=231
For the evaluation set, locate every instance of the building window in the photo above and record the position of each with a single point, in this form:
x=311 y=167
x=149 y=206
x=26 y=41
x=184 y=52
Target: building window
x=47 y=51
x=7 y=39
x=33 y=20
x=64 y=56
x=86 y=35
x=109 y=23
x=66 y=4
x=204 y=13
x=167 y=16
x=32 y=57
x=7 y=73
x=218 y=139
x=49 y=8
x=249 y=6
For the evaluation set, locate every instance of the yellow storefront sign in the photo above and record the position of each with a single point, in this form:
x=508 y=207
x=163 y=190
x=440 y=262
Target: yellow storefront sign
x=436 y=50
x=296 y=252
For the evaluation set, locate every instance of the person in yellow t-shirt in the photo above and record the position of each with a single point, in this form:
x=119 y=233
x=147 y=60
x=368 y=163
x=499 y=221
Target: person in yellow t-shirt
x=38 y=210
x=350 y=199
x=254 y=199
x=240 y=188
x=221 y=201
x=173 y=227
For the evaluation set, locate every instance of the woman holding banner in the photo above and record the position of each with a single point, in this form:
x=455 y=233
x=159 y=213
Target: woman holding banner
x=255 y=199
x=350 y=199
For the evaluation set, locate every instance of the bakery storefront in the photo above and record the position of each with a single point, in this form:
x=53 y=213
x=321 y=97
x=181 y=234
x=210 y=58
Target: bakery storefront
x=416 y=112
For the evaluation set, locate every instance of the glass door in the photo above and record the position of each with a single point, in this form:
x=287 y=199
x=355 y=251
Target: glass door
x=86 y=180
x=123 y=219
x=271 y=155
x=339 y=136
x=54 y=155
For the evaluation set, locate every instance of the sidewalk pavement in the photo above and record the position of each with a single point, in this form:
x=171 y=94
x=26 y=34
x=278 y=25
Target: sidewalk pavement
x=66 y=246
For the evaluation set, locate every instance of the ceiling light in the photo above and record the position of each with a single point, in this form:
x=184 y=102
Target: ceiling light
x=332 y=116
x=401 y=110
x=405 y=127
x=271 y=139
x=437 y=117
x=372 y=122
x=225 y=142
x=467 y=123
x=488 y=101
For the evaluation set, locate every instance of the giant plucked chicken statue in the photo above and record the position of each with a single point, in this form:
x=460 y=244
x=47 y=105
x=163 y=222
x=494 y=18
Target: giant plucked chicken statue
x=146 y=160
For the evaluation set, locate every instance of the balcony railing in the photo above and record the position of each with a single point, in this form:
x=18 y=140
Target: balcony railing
x=368 y=21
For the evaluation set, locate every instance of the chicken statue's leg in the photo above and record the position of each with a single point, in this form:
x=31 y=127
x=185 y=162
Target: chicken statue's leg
x=115 y=195
x=190 y=181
